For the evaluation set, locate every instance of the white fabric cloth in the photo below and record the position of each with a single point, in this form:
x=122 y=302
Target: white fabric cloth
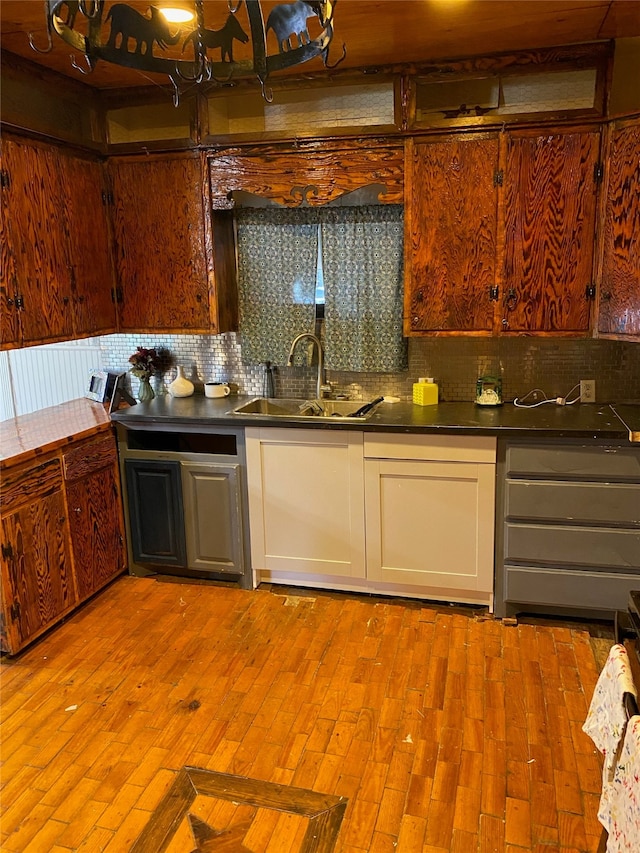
x=606 y=725
x=624 y=795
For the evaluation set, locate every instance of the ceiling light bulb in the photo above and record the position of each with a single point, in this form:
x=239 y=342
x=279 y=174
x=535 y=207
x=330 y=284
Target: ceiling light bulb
x=177 y=16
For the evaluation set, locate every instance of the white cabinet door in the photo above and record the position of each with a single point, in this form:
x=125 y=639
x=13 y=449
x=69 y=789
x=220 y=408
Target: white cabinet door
x=430 y=525
x=306 y=504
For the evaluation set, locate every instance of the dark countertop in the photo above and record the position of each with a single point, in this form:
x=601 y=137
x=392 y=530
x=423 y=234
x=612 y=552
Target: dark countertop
x=629 y=414
x=577 y=421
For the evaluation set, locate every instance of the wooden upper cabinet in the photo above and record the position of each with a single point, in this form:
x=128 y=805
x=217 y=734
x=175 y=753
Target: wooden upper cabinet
x=160 y=243
x=619 y=314
x=57 y=279
x=35 y=218
x=450 y=235
x=93 y=304
x=550 y=201
x=315 y=174
x=9 y=304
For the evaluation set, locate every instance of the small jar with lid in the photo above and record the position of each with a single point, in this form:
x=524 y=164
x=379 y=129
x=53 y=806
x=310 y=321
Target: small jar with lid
x=489 y=391
x=425 y=392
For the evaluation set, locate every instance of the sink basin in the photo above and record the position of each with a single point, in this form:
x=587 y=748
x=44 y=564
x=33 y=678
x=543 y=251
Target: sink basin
x=295 y=408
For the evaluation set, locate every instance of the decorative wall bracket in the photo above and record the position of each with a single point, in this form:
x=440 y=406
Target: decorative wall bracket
x=134 y=40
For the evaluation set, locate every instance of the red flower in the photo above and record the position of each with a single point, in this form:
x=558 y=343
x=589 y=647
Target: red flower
x=145 y=362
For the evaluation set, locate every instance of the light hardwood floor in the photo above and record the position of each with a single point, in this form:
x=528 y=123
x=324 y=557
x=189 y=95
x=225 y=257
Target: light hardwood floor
x=445 y=729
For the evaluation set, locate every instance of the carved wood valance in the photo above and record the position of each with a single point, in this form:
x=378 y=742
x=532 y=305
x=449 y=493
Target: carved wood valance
x=315 y=177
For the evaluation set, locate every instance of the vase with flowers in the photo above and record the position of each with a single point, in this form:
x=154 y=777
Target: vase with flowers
x=144 y=363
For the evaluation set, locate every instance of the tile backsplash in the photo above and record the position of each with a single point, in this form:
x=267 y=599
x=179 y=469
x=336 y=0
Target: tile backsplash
x=524 y=363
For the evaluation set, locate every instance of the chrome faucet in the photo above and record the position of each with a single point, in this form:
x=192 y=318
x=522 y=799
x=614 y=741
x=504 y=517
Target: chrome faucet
x=316 y=341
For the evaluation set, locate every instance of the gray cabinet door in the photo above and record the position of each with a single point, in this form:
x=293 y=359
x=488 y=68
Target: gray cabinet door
x=213 y=519
x=155 y=512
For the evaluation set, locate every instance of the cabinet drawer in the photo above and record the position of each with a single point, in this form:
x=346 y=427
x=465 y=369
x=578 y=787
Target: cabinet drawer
x=597 y=503
x=20 y=487
x=575 y=462
x=88 y=458
x=555 y=544
x=438 y=448
x=566 y=588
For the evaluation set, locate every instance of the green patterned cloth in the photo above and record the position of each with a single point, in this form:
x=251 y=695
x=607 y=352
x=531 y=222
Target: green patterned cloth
x=362 y=255
x=277 y=260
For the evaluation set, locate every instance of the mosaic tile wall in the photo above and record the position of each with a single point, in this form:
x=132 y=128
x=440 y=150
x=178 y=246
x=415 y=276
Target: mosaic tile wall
x=554 y=366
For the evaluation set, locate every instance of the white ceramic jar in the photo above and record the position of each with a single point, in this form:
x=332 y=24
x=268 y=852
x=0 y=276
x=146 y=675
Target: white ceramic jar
x=181 y=386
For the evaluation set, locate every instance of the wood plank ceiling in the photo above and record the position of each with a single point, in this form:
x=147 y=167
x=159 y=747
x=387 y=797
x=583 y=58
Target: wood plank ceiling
x=376 y=33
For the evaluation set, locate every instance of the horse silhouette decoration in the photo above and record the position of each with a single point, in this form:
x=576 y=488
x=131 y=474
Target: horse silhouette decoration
x=222 y=38
x=290 y=19
x=129 y=24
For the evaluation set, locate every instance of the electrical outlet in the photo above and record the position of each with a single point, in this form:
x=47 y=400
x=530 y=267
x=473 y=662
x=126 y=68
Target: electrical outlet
x=587 y=390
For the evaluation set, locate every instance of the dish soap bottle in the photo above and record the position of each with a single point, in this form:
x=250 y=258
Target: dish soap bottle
x=425 y=392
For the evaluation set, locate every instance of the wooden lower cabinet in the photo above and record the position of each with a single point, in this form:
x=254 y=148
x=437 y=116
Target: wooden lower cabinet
x=95 y=514
x=38 y=586
x=395 y=514
x=62 y=536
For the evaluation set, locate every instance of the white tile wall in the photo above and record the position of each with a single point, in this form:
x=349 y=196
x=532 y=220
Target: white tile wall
x=35 y=378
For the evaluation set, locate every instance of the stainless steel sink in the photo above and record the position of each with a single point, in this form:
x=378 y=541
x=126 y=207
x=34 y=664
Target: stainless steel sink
x=302 y=408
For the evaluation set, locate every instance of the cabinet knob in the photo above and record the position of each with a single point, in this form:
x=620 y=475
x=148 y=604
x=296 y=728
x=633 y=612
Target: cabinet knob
x=415 y=321
x=80 y=299
x=505 y=322
x=10 y=302
x=78 y=509
x=65 y=300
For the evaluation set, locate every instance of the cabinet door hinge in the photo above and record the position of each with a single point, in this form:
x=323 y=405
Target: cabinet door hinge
x=5 y=180
x=590 y=291
x=498 y=178
x=598 y=173
x=7 y=552
x=14 y=611
x=494 y=293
